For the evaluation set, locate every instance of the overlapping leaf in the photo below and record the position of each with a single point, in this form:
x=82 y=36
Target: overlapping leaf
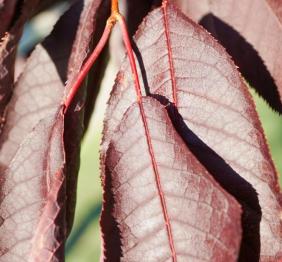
x=166 y=205
x=251 y=31
x=26 y=187
x=182 y=63
x=14 y=15
x=38 y=168
x=8 y=47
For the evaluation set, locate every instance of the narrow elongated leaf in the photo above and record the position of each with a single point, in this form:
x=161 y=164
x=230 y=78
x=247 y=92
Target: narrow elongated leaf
x=166 y=206
x=181 y=62
x=251 y=31
x=77 y=117
x=27 y=188
x=8 y=49
x=39 y=158
x=14 y=15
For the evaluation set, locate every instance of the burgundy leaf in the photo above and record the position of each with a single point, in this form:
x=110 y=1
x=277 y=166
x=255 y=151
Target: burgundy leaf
x=8 y=50
x=165 y=205
x=251 y=31
x=52 y=224
x=7 y=10
x=39 y=154
x=27 y=188
x=96 y=74
x=88 y=34
x=14 y=14
x=181 y=62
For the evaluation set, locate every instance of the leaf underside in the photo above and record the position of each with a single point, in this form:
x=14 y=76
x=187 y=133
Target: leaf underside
x=13 y=26
x=186 y=69
x=251 y=31
x=171 y=208
x=39 y=158
x=176 y=165
x=25 y=197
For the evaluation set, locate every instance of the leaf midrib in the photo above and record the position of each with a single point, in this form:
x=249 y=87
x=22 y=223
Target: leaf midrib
x=158 y=182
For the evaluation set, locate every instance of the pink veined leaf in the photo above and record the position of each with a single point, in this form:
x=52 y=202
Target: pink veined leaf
x=251 y=31
x=160 y=203
x=52 y=224
x=8 y=49
x=39 y=147
x=26 y=189
x=14 y=20
x=181 y=63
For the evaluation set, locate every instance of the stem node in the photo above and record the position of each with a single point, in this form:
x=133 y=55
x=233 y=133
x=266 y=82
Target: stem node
x=115 y=16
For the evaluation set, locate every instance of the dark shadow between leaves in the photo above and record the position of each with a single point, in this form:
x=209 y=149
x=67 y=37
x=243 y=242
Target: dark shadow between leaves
x=246 y=58
x=137 y=10
x=60 y=43
x=228 y=179
x=64 y=39
x=59 y=46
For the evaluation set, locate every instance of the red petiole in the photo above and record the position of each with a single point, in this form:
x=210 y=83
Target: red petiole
x=115 y=16
x=87 y=66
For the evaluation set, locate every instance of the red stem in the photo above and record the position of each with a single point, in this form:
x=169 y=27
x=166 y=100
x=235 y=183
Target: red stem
x=115 y=9
x=88 y=64
x=128 y=47
x=127 y=43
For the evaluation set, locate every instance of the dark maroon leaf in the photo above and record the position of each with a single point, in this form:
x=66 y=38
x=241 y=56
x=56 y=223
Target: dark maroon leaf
x=14 y=14
x=181 y=62
x=164 y=204
x=8 y=50
x=251 y=31
x=39 y=152
x=96 y=74
x=29 y=187
x=7 y=10
x=52 y=224
x=88 y=34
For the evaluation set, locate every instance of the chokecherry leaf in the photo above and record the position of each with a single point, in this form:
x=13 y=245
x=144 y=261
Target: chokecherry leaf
x=27 y=190
x=39 y=146
x=251 y=31
x=8 y=48
x=160 y=203
x=180 y=62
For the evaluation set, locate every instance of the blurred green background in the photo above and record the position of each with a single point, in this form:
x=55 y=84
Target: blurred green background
x=84 y=241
